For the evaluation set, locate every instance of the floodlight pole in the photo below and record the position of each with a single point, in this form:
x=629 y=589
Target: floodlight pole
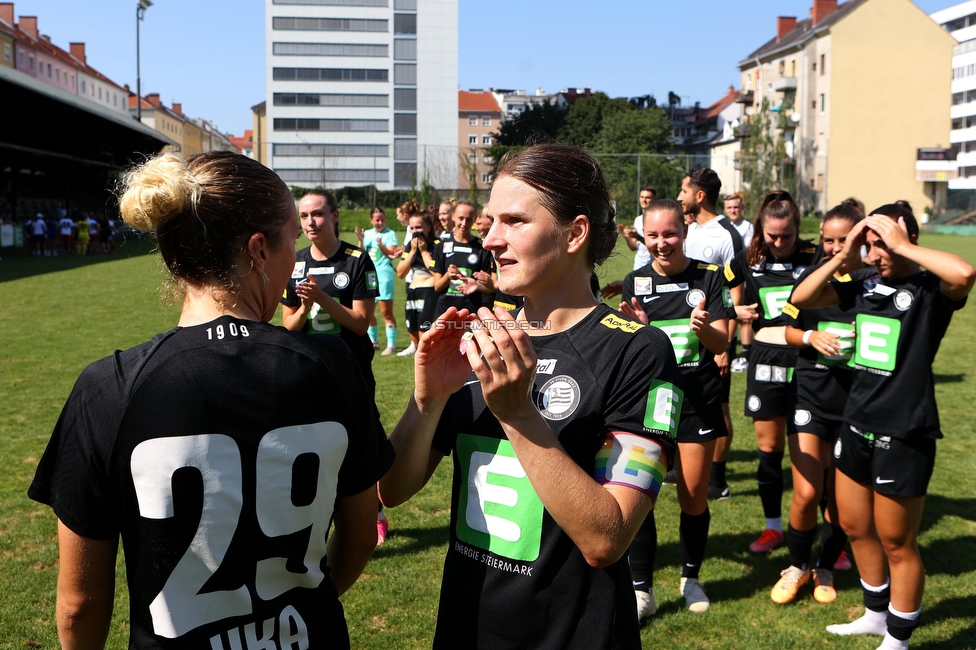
x=141 y=7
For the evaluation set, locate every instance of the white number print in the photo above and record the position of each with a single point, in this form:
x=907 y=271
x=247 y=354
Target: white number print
x=180 y=607
x=232 y=328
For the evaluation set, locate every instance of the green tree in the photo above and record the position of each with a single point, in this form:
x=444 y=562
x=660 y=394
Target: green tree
x=537 y=123
x=764 y=159
x=586 y=116
x=634 y=131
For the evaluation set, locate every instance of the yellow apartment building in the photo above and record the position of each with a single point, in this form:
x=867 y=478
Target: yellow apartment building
x=856 y=89
x=478 y=116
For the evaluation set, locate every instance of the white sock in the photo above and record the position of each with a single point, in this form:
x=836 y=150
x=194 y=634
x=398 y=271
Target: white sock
x=775 y=524
x=891 y=643
x=877 y=590
x=870 y=623
x=908 y=616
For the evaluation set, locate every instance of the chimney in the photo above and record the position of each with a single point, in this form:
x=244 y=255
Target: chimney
x=7 y=13
x=45 y=38
x=821 y=9
x=28 y=24
x=78 y=51
x=784 y=25
x=153 y=99
x=178 y=109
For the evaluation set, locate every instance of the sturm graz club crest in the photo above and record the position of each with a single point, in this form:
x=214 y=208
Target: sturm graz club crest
x=341 y=280
x=558 y=398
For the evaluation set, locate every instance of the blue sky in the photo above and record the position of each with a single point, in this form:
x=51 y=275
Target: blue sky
x=212 y=59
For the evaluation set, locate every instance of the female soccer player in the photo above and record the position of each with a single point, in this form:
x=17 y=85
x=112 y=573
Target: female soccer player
x=445 y=220
x=414 y=265
x=685 y=299
x=561 y=422
x=768 y=268
x=886 y=453
x=333 y=286
x=210 y=449
x=381 y=244
x=822 y=382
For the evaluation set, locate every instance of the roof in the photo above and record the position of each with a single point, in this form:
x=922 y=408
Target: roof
x=803 y=32
x=712 y=111
x=477 y=101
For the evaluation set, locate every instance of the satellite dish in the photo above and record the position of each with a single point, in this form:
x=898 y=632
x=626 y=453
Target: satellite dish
x=795 y=117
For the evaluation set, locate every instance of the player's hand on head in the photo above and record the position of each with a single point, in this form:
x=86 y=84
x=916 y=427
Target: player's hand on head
x=501 y=355
x=893 y=234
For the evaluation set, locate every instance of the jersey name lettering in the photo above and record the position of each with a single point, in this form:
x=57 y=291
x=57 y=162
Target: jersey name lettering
x=499 y=510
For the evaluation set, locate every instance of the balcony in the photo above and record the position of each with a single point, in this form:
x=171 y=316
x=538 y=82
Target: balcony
x=746 y=97
x=938 y=171
x=785 y=84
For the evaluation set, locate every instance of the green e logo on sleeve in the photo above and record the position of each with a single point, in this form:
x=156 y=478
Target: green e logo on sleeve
x=877 y=342
x=774 y=299
x=499 y=510
x=663 y=408
x=684 y=342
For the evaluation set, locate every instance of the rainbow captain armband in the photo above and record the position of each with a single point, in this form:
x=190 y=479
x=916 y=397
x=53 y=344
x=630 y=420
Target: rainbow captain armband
x=631 y=461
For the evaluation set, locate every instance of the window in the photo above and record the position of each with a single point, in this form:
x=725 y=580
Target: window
x=286 y=124
x=333 y=150
x=405 y=49
x=405 y=99
x=48 y=70
x=486 y=139
x=823 y=64
x=404 y=23
x=329 y=49
x=31 y=59
x=486 y=179
x=20 y=59
x=330 y=74
x=405 y=74
x=334 y=175
x=405 y=174
x=958 y=98
x=782 y=68
x=315 y=99
x=813 y=104
x=472 y=120
x=99 y=93
x=820 y=182
x=472 y=158
x=406 y=5
x=486 y=120
x=791 y=69
x=472 y=139
x=823 y=103
x=330 y=24
x=335 y=3
x=487 y=160
x=405 y=124
x=814 y=69
x=404 y=149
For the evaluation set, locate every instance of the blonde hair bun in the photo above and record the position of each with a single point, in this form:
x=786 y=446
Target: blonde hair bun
x=156 y=191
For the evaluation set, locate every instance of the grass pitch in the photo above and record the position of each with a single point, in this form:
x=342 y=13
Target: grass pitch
x=58 y=315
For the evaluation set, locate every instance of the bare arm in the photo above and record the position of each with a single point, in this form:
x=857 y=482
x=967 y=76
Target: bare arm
x=441 y=280
x=293 y=318
x=355 y=319
x=816 y=291
x=86 y=589
x=353 y=539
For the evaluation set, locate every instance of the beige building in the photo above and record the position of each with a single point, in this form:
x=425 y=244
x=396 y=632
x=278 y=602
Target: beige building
x=261 y=153
x=855 y=90
x=478 y=117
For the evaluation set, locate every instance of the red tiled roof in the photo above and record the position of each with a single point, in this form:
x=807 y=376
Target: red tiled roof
x=713 y=110
x=477 y=101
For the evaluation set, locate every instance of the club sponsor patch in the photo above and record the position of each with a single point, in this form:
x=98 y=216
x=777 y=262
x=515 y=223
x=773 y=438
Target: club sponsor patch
x=710 y=267
x=673 y=287
x=791 y=311
x=871 y=283
x=663 y=409
x=448 y=247
x=729 y=273
x=643 y=286
x=341 y=280
x=299 y=271
x=353 y=252
x=558 y=398
x=779 y=266
x=545 y=366
x=903 y=300
x=772 y=374
x=322 y=270
x=631 y=461
x=694 y=297
x=708 y=251
x=754 y=403
x=371 y=280
x=617 y=323
x=463 y=249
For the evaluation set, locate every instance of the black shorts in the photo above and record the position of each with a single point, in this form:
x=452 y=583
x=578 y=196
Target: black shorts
x=804 y=420
x=767 y=385
x=891 y=466
x=702 y=423
x=420 y=307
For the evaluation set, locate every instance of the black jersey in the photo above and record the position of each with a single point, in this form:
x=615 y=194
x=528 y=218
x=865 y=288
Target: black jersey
x=770 y=282
x=824 y=383
x=468 y=257
x=512 y=577
x=198 y=448
x=668 y=301
x=900 y=324
x=346 y=276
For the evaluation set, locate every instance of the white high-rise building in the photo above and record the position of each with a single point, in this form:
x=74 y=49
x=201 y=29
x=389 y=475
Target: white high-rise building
x=363 y=92
x=960 y=21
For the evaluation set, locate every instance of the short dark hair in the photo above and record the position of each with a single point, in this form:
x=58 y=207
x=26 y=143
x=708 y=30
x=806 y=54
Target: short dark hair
x=325 y=194
x=570 y=183
x=707 y=181
x=649 y=189
x=895 y=210
x=666 y=205
x=846 y=211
